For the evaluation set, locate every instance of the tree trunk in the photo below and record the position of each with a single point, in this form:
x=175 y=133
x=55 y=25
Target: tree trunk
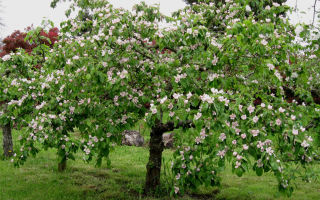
x=62 y=166
x=7 y=140
x=155 y=156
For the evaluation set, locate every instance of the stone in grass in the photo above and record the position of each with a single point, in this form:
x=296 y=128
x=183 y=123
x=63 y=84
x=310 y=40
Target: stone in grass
x=132 y=138
x=167 y=139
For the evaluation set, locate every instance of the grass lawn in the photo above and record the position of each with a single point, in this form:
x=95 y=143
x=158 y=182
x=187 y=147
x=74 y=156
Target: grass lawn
x=39 y=179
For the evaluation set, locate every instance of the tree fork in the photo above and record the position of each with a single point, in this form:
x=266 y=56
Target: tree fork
x=156 y=148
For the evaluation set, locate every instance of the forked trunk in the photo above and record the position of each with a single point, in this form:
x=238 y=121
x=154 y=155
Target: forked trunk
x=154 y=165
x=155 y=152
x=7 y=140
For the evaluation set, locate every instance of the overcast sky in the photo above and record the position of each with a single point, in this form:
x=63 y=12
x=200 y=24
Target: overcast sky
x=18 y=14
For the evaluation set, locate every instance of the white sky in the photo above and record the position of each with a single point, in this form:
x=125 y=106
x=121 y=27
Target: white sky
x=19 y=14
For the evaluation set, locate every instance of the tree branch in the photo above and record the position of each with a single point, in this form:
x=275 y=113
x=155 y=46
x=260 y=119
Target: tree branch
x=169 y=126
x=314 y=11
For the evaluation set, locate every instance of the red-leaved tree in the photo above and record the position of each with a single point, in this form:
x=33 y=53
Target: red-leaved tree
x=17 y=40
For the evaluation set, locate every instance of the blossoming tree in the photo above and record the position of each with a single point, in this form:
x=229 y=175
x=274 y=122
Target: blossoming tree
x=224 y=90
x=22 y=55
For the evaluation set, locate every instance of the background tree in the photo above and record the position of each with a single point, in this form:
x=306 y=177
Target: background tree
x=18 y=40
x=16 y=66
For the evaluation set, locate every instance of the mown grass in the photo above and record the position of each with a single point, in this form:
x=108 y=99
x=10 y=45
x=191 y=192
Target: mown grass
x=39 y=179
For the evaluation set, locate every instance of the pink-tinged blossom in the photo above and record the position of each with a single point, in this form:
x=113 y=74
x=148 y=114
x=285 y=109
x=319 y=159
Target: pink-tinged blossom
x=203 y=134
x=153 y=110
x=179 y=77
x=178 y=176
x=176 y=189
x=221 y=153
x=6 y=57
x=198 y=140
x=251 y=109
x=270 y=107
x=269 y=151
x=281 y=110
x=238 y=164
x=270 y=66
x=293 y=117
x=163 y=100
x=245 y=147
x=240 y=108
x=255 y=119
x=176 y=95
x=264 y=42
x=243 y=136
x=248 y=9
x=222 y=137
x=207 y=98
x=278 y=122
x=234 y=142
x=278 y=75
x=305 y=144
x=189 y=95
x=232 y=117
x=122 y=74
x=52 y=116
x=215 y=60
x=71 y=108
x=197 y=116
x=216 y=91
x=295 y=131
x=237 y=130
x=263 y=105
x=255 y=132
x=226 y=102
x=244 y=117
x=235 y=124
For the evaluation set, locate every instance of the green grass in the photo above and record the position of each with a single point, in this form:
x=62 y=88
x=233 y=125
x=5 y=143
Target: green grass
x=39 y=179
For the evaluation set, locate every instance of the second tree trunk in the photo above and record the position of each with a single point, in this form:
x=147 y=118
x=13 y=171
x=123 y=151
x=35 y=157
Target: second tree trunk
x=7 y=140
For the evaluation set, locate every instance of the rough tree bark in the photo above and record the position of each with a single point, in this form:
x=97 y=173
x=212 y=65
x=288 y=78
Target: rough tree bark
x=7 y=140
x=62 y=166
x=155 y=156
x=155 y=153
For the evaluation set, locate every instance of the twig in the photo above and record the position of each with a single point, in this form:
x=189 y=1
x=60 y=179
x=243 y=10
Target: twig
x=314 y=11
